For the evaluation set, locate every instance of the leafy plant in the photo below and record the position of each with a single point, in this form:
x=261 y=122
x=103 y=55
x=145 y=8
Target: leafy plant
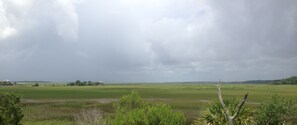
x=226 y=112
x=276 y=111
x=132 y=110
x=162 y=114
x=214 y=114
x=129 y=102
x=132 y=117
x=10 y=111
x=35 y=85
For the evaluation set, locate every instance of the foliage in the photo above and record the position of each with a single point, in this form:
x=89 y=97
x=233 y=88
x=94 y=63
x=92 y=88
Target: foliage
x=89 y=117
x=292 y=80
x=35 y=85
x=129 y=102
x=188 y=98
x=132 y=117
x=162 y=114
x=10 y=111
x=85 y=83
x=132 y=110
x=7 y=83
x=275 y=112
x=158 y=114
x=288 y=81
x=214 y=114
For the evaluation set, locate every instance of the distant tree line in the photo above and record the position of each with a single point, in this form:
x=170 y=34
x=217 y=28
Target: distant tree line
x=7 y=83
x=85 y=83
x=34 y=81
x=288 y=81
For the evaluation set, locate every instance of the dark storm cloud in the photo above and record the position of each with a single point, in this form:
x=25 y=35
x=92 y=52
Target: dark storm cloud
x=129 y=40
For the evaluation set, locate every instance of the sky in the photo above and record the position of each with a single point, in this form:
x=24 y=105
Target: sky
x=147 y=40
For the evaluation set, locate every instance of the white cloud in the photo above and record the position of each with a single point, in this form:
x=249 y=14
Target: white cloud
x=22 y=16
x=7 y=32
x=66 y=19
x=12 y=14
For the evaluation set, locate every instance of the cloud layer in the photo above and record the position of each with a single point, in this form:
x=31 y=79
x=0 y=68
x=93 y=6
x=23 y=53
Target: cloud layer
x=149 y=40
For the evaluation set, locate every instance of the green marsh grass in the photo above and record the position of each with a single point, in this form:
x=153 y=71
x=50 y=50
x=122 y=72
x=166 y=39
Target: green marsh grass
x=56 y=104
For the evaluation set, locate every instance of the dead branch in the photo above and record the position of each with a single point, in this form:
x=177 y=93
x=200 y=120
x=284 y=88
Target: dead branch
x=222 y=101
x=239 y=106
x=225 y=110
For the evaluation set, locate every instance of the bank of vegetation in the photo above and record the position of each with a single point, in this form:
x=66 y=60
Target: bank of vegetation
x=133 y=110
x=287 y=81
x=85 y=83
x=7 y=83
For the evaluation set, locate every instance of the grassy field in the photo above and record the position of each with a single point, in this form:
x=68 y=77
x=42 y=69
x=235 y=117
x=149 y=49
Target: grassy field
x=52 y=105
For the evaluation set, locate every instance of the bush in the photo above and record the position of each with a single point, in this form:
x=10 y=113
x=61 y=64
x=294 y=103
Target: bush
x=35 y=85
x=129 y=102
x=132 y=110
x=132 y=117
x=162 y=114
x=276 y=111
x=10 y=111
x=214 y=114
x=7 y=83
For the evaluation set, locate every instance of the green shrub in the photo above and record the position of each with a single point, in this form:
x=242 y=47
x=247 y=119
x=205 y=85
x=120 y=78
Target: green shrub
x=10 y=111
x=129 y=102
x=162 y=114
x=132 y=117
x=214 y=114
x=276 y=111
x=132 y=110
x=35 y=85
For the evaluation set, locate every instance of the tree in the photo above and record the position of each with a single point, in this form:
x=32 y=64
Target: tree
x=89 y=83
x=10 y=111
x=287 y=81
x=77 y=83
x=71 y=84
x=35 y=85
x=6 y=83
x=292 y=80
x=276 y=111
x=84 y=83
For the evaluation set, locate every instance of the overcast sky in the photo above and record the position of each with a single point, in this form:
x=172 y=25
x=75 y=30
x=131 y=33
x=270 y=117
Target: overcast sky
x=147 y=40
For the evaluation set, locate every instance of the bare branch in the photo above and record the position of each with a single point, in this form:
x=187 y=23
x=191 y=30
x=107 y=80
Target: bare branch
x=239 y=106
x=225 y=110
x=222 y=101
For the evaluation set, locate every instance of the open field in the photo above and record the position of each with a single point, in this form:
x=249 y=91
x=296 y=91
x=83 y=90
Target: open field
x=51 y=105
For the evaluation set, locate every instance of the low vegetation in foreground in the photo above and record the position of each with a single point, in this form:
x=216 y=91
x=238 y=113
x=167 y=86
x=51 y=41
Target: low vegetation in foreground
x=132 y=110
x=10 y=111
x=152 y=104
